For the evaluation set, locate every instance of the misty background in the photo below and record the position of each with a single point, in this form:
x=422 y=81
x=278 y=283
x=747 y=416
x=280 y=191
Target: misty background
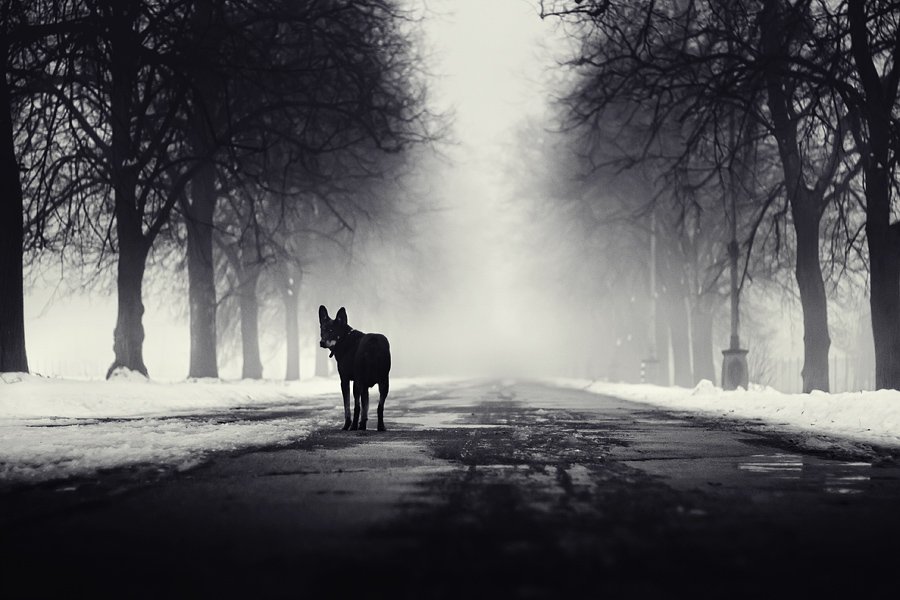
x=505 y=245
x=447 y=281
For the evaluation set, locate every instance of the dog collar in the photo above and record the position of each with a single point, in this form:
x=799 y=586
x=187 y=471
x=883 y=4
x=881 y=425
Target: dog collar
x=338 y=341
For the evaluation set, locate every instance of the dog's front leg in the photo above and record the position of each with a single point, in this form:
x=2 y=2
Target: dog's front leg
x=364 y=414
x=355 y=425
x=345 y=391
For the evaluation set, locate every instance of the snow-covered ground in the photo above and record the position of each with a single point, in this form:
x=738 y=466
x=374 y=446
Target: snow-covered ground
x=57 y=428
x=857 y=417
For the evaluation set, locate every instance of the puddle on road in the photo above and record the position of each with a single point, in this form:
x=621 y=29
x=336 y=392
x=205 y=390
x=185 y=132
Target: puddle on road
x=854 y=478
x=773 y=463
x=836 y=477
x=777 y=472
x=689 y=457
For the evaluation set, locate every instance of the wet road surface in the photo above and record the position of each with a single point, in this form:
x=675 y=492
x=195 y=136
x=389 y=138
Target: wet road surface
x=475 y=491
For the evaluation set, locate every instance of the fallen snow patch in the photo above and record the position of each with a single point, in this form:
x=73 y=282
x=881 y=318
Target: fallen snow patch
x=869 y=417
x=43 y=451
x=29 y=396
x=57 y=428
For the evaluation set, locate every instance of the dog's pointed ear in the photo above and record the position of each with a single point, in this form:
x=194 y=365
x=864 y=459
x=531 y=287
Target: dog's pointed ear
x=323 y=313
x=341 y=316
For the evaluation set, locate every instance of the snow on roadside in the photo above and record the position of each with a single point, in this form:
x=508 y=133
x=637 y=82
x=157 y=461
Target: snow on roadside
x=34 y=396
x=40 y=452
x=58 y=428
x=867 y=417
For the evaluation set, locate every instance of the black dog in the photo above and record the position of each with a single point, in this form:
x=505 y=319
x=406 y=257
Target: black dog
x=363 y=358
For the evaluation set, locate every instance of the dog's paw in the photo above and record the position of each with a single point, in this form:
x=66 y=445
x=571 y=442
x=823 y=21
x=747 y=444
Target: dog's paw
x=381 y=427
x=362 y=426
x=346 y=426
x=354 y=427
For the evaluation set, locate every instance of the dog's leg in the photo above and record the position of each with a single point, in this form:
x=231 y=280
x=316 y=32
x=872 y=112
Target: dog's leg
x=382 y=393
x=345 y=392
x=355 y=425
x=364 y=396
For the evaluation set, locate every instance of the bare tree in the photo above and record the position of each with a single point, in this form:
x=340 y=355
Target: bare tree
x=12 y=317
x=122 y=99
x=32 y=41
x=807 y=122
x=720 y=72
x=873 y=94
x=332 y=78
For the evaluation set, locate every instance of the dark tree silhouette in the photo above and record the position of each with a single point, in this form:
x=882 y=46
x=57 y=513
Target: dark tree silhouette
x=29 y=34
x=723 y=74
x=147 y=108
x=12 y=317
x=122 y=99
x=331 y=78
x=807 y=122
x=874 y=96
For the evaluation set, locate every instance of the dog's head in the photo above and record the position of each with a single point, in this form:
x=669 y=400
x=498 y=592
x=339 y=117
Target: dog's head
x=332 y=330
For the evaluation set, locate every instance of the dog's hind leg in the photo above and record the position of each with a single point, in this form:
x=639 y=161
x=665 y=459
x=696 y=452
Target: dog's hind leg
x=382 y=393
x=364 y=396
x=345 y=392
x=355 y=424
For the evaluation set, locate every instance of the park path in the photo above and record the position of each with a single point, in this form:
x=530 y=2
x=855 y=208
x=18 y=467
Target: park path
x=515 y=490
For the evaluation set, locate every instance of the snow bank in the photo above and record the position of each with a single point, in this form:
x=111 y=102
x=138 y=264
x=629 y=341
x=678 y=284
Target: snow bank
x=38 y=452
x=31 y=396
x=869 y=417
x=58 y=428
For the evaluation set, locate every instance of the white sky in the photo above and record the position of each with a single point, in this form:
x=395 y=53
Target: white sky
x=489 y=65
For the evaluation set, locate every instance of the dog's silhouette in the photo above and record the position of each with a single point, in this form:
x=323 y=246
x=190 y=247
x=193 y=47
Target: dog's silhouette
x=363 y=358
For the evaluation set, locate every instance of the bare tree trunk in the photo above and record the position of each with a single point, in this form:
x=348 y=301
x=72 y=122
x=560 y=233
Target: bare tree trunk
x=247 y=271
x=12 y=306
x=883 y=238
x=201 y=273
x=807 y=204
x=249 y=305
x=702 y=342
x=816 y=342
x=291 y=330
x=128 y=337
x=884 y=277
x=203 y=199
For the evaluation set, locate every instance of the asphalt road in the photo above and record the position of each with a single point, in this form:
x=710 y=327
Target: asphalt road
x=475 y=491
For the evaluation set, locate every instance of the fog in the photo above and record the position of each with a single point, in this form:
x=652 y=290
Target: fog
x=482 y=267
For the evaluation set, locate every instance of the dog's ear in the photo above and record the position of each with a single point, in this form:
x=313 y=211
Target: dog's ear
x=341 y=316
x=323 y=313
